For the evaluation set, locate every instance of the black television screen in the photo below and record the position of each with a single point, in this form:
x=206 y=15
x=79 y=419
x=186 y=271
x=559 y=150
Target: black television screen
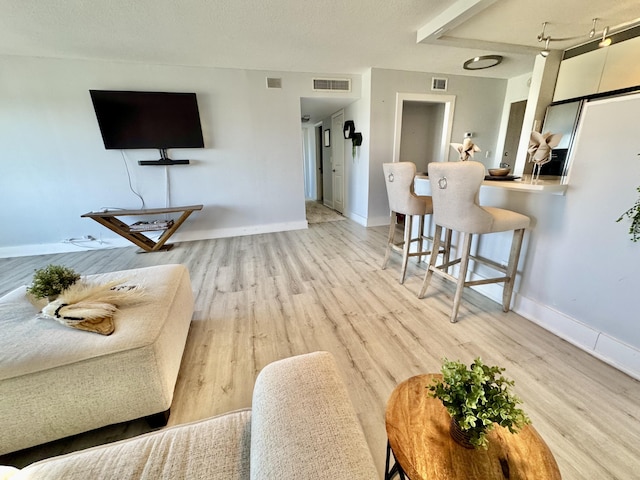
x=161 y=120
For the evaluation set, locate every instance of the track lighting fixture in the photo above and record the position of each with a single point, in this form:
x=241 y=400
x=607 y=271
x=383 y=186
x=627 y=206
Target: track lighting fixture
x=592 y=32
x=543 y=37
x=545 y=53
x=606 y=41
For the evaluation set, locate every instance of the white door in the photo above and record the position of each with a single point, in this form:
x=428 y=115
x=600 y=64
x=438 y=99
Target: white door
x=337 y=161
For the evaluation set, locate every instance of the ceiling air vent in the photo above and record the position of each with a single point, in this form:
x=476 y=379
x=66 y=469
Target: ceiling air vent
x=274 y=82
x=439 y=84
x=331 y=84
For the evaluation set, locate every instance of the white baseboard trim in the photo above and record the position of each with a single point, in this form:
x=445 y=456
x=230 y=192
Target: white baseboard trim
x=61 y=247
x=360 y=220
x=377 y=221
x=117 y=242
x=608 y=349
x=239 y=231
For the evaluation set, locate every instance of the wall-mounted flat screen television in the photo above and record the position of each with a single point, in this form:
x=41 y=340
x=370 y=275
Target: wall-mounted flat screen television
x=137 y=120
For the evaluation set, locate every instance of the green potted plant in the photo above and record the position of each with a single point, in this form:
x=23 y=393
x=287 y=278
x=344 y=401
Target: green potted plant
x=50 y=281
x=634 y=215
x=477 y=398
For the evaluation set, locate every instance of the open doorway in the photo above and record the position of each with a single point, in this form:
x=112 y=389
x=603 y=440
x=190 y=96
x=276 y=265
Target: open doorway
x=323 y=147
x=318 y=142
x=512 y=136
x=312 y=160
x=423 y=128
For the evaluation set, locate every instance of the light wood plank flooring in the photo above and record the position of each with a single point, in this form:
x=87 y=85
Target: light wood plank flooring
x=264 y=297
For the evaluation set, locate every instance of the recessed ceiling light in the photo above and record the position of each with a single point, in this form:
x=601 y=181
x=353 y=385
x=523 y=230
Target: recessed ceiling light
x=484 y=61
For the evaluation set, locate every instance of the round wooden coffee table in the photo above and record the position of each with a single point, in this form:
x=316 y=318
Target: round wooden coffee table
x=418 y=433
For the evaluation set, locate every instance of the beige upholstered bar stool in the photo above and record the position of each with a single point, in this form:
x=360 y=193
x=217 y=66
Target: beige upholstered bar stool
x=398 y=177
x=455 y=188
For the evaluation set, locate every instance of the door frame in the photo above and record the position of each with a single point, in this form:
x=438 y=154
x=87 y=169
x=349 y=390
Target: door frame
x=338 y=145
x=318 y=161
x=449 y=102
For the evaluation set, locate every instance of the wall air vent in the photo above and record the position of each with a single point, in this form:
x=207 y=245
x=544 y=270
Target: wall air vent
x=274 y=82
x=331 y=84
x=439 y=84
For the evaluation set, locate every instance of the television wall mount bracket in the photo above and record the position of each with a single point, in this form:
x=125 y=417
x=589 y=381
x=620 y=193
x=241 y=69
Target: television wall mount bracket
x=164 y=160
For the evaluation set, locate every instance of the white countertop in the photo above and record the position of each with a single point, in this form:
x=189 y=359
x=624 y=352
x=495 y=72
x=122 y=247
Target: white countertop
x=545 y=184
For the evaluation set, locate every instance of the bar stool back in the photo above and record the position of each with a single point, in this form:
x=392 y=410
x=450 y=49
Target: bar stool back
x=455 y=188
x=398 y=177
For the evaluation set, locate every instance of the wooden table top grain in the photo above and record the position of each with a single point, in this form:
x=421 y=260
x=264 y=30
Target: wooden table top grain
x=418 y=432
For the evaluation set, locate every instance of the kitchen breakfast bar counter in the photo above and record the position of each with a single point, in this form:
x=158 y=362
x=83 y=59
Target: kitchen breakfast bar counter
x=545 y=184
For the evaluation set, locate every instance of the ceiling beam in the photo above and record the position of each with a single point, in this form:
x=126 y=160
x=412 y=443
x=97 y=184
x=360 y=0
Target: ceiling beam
x=436 y=31
x=455 y=15
x=485 y=45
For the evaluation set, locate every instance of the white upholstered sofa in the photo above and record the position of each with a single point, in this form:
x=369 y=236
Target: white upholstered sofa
x=57 y=381
x=301 y=426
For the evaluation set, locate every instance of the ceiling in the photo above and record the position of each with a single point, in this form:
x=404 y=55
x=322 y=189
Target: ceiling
x=328 y=36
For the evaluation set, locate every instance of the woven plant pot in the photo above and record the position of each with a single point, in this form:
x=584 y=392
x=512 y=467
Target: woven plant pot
x=460 y=436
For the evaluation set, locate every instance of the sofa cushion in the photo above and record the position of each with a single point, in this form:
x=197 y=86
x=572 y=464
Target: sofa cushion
x=303 y=423
x=215 y=448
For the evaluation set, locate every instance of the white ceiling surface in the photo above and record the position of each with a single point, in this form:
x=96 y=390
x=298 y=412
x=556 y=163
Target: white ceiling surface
x=328 y=36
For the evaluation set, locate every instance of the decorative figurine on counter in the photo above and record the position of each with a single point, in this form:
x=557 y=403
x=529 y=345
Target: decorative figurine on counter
x=540 y=146
x=465 y=149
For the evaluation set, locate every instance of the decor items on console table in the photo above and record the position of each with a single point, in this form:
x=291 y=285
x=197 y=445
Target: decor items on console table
x=109 y=220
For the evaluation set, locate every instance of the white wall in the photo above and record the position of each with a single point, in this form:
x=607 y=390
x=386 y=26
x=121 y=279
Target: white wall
x=55 y=168
x=580 y=270
x=543 y=80
x=357 y=167
x=478 y=109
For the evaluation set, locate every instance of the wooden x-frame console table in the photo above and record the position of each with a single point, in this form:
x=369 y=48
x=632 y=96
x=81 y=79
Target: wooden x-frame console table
x=109 y=220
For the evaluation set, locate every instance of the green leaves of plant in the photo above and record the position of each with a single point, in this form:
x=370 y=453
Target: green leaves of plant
x=478 y=397
x=52 y=280
x=634 y=215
